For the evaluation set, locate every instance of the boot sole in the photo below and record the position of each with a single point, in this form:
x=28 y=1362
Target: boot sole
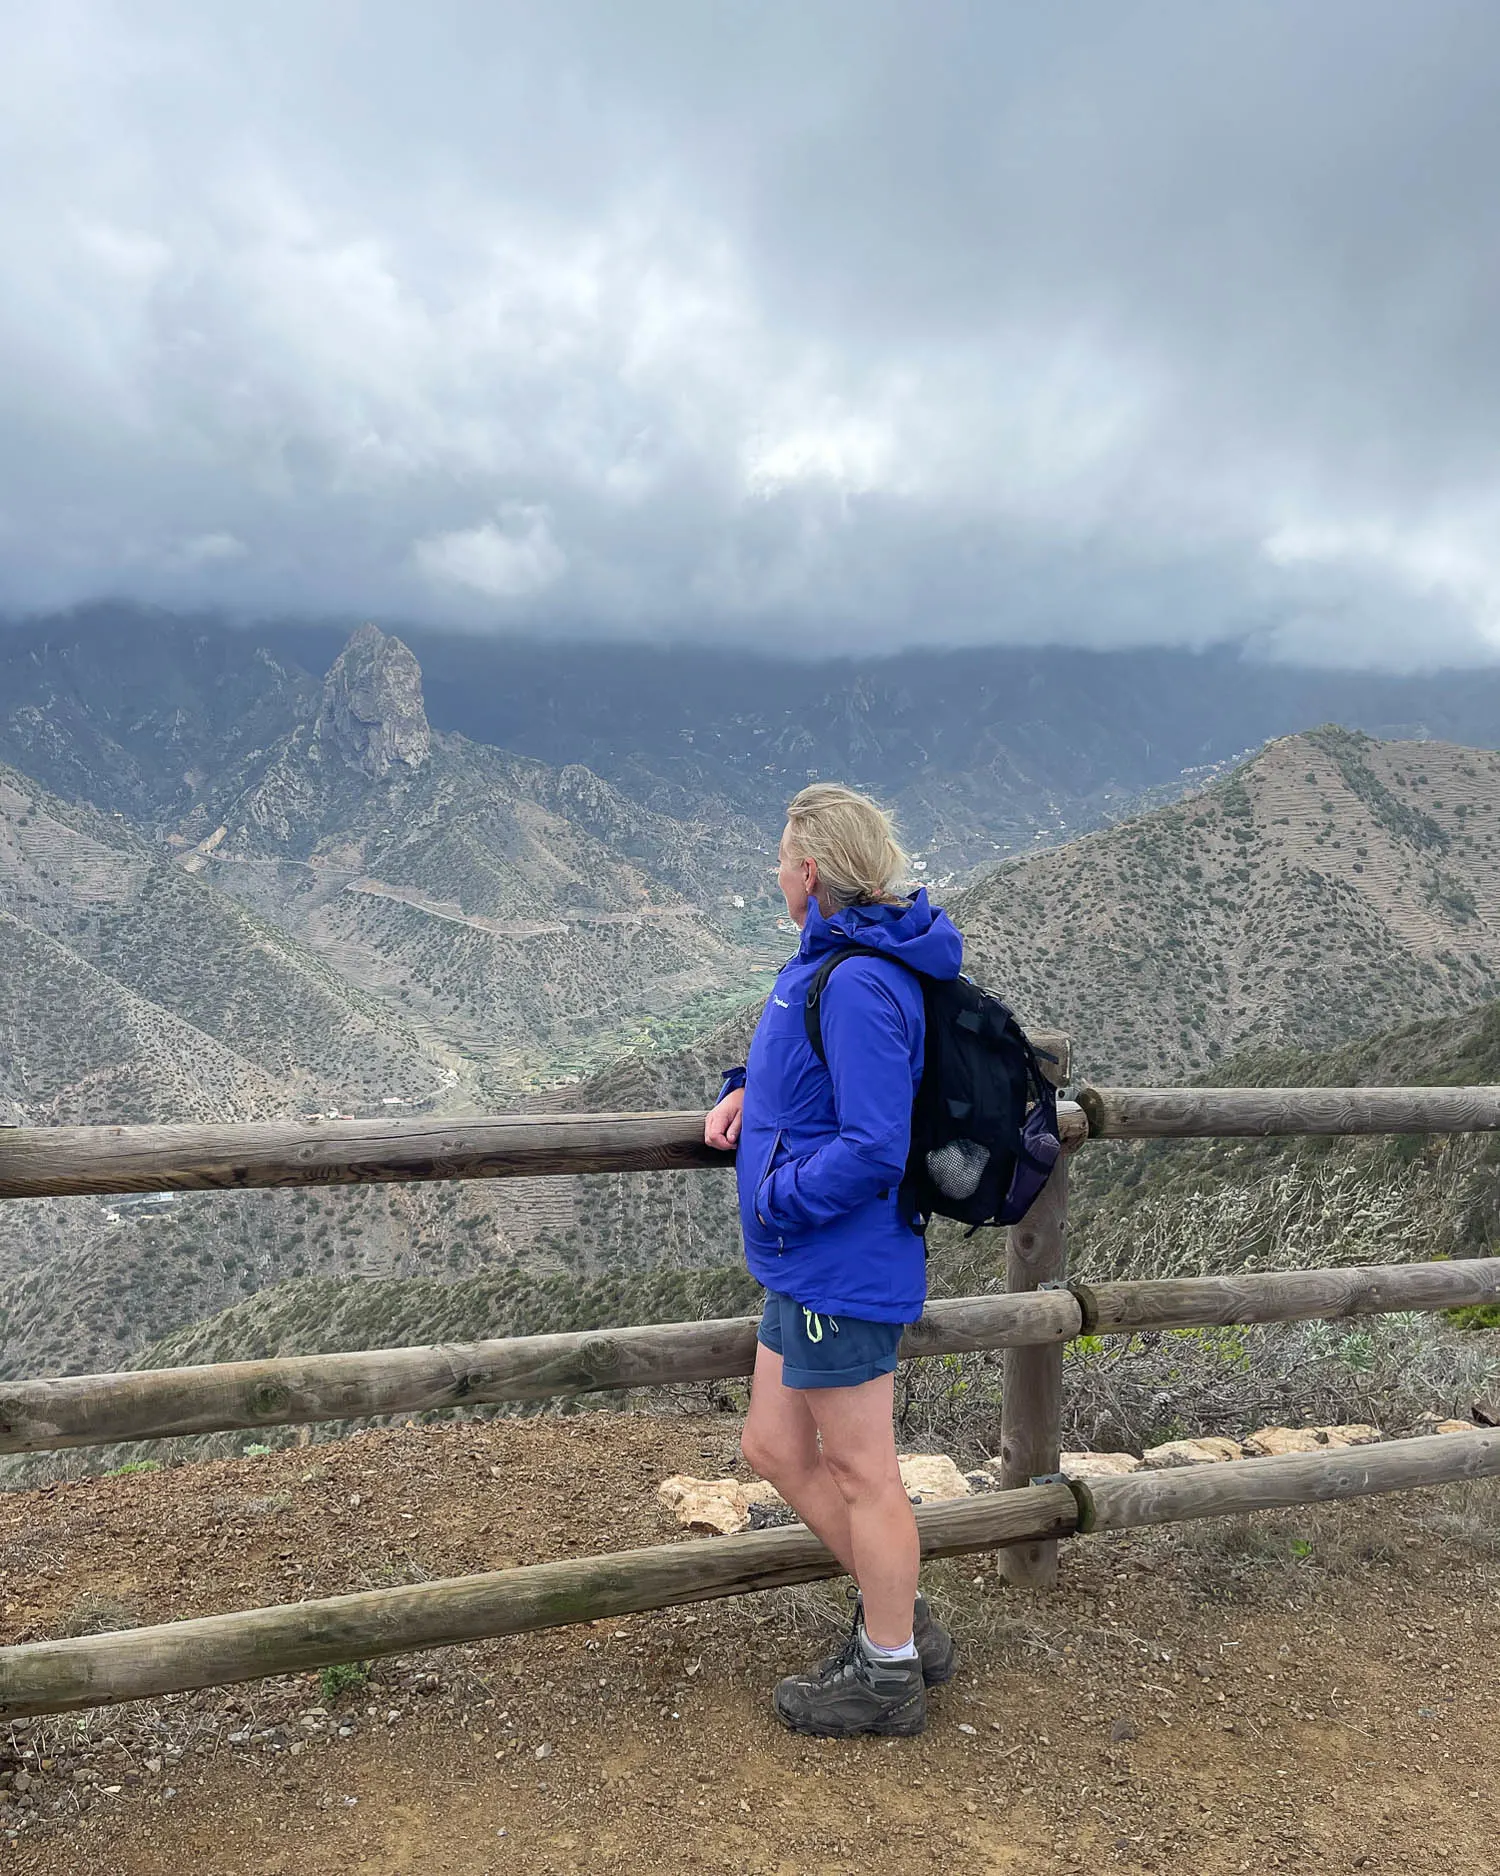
x=889 y=1726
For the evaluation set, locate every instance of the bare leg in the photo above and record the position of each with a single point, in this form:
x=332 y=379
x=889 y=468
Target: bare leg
x=859 y=1453
x=780 y=1440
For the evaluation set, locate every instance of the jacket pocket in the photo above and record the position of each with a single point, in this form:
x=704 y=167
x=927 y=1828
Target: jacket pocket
x=764 y=1179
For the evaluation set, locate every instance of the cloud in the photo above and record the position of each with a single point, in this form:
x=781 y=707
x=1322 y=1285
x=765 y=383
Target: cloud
x=205 y=548
x=840 y=326
x=515 y=558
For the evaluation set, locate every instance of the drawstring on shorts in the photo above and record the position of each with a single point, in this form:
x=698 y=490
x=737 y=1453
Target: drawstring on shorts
x=813 y=1324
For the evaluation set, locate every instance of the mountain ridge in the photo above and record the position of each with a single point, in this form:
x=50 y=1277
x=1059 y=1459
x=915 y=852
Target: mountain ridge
x=984 y=752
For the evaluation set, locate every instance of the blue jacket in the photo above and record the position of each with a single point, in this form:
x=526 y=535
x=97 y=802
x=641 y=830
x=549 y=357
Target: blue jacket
x=822 y=1150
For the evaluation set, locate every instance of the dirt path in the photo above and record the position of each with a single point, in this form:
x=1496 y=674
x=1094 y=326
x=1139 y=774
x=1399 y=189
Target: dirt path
x=517 y=928
x=1310 y=1691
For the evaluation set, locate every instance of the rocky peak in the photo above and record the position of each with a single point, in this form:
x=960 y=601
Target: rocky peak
x=372 y=714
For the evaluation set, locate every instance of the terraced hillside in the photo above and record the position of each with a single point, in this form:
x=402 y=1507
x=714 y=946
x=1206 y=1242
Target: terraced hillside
x=1328 y=887
x=414 y=921
x=530 y=916
x=136 y=992
x=85 y=1284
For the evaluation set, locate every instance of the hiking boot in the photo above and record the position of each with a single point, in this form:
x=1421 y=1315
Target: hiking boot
x=934 y=1643
x=860 y=1694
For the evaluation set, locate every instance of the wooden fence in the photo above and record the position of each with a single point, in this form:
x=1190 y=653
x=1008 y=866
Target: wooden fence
x=1039 y=1312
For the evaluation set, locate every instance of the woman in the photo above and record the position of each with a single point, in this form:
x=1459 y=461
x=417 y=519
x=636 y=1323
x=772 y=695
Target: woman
x=821 y=1152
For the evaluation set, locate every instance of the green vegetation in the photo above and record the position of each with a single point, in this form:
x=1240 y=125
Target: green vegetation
x=322 y=1317
x=342 y=1679
x=510 y=924
x=1350 y=751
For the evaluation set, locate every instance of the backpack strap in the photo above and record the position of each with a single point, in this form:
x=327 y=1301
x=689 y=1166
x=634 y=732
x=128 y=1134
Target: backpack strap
x=812 y=1017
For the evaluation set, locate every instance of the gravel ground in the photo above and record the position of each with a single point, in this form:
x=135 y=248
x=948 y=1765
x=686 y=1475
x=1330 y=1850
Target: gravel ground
x=1304 y=1690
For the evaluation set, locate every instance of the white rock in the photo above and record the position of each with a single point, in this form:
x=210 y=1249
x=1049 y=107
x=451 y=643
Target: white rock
x=723 y=1505
x=1357 y=1433
x=932 y=1476
x=1097 y=1465
x=719 y=1505
x=1268 y=1442
x=1190 y=1453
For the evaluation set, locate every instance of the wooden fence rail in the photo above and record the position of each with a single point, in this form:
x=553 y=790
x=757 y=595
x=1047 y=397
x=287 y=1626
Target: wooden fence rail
x=64 y=1162
x=73 y=1162
x=160 y=1403
x=209 y=1651
x=1230 y=1113
x=155 y=1403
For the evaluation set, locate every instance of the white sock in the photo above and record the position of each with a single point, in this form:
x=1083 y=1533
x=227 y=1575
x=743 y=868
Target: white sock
x=905 y=1652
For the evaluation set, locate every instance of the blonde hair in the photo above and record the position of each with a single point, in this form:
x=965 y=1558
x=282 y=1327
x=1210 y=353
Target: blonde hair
x=853 y=839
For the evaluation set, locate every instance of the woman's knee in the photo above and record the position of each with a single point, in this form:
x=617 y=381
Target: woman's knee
x=861 y=1475
x=768 y=1456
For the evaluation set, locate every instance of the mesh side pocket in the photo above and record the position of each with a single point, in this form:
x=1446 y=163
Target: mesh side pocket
x=957 y=1167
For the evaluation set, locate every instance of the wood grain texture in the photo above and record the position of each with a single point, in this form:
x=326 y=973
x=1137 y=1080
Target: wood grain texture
x=1232 y=1113
x=1242 y=1485
x=63 y=1162
x=86 y=1410
x=1031 y=1403
x=213 y=1651
x=1285 y=1295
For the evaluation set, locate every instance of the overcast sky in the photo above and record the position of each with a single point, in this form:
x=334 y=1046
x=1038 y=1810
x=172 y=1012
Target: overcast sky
x=818 y=325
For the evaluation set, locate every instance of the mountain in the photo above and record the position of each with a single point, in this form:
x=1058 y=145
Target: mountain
x=132 y=709
x=1329 y=883
x=523 y=913
x=1329 y=886
x=271 y=891
x=136 y=992
x=357 y=915
x=984 y=752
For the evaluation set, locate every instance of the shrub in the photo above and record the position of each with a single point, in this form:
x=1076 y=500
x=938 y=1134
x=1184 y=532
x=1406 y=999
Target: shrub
x=341 y=1678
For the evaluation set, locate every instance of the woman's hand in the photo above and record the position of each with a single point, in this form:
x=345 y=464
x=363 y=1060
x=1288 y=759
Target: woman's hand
x=722 y=1126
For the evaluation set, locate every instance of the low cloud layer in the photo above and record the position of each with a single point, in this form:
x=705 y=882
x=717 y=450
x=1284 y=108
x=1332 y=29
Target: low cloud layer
x=827 y=326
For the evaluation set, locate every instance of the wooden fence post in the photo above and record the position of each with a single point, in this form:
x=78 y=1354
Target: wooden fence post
x=1031 y=1410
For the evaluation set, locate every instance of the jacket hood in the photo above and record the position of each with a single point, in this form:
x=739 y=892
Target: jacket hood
x=918 y=934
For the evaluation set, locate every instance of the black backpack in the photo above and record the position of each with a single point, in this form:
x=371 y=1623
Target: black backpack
x=984 y=1122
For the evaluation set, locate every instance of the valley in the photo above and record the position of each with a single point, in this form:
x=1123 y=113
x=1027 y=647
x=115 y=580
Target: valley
x=355 y=912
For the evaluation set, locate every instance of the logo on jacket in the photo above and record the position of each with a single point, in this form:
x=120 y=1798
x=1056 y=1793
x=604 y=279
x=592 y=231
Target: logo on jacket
x=780 y=1000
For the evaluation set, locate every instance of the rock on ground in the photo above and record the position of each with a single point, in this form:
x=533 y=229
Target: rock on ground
x=1190 y=1452
x=725 y=1506
x=1268 y=1442
x=1098 y=1465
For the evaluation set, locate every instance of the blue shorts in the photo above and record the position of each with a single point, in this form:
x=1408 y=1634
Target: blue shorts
x=826 y=1351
